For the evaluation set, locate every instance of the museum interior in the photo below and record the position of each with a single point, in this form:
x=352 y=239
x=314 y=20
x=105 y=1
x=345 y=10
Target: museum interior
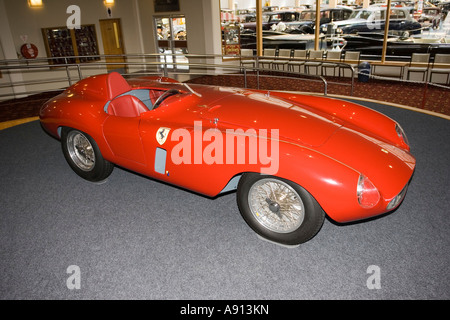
x=134 y=237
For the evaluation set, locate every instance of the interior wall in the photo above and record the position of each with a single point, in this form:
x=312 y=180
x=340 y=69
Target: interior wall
x=28 y=21
x=202 y=24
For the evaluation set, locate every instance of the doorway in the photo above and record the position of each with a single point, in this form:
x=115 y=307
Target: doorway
x=171 y=40
x=113 y=44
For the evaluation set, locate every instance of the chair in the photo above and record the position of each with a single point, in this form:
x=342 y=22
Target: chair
x=142 y=94
x=285 y=54
x=268 y=53
x=441 y=58
x=126 y=106
x=350 y=57
x=331 y=55
x=298 y=54
x=247 y=58
x=315 y=59
x=419 y=58
x=116 y=85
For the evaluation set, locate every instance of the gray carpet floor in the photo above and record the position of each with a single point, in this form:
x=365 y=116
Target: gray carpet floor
x=135 y=238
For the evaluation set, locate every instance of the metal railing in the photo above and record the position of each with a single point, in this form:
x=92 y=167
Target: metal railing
x=23 y=77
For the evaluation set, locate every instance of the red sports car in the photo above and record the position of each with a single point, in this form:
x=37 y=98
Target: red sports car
x=292 y=158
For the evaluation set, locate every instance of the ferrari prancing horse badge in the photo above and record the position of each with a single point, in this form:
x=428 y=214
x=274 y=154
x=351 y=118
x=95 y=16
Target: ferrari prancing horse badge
x=162 y=134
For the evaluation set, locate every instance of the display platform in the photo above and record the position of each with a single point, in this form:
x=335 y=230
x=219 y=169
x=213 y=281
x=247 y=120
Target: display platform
x=135 y=238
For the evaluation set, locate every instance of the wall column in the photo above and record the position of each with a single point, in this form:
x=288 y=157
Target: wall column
x=9 y=49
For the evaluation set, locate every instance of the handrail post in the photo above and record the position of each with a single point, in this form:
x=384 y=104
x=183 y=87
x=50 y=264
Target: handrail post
x=68 y=72
x=257 y=72
x=353 y=80
x=245 y=77
x=166 y=73
x=325 y=85
x=79 y=71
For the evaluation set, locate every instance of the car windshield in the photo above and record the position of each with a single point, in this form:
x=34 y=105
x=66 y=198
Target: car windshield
x=276 y=18
x=286 y=17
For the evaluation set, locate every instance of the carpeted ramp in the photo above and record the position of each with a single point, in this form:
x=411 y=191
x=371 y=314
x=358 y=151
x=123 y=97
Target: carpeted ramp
x=135 y=238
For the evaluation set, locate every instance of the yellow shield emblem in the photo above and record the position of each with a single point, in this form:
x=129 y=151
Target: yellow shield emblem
x=162 y=134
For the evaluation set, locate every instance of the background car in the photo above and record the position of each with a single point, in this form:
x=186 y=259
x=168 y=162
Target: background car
x=307 y=19
x=373 y=19
x=272 y=18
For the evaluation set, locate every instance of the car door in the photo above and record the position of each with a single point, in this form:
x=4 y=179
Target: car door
x=123 y=137
x=397 y=20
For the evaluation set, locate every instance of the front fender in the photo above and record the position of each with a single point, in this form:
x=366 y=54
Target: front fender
x=332 y=183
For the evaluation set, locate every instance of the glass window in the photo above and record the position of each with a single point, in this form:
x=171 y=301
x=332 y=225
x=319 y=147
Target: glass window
x=276 y=18
x=291 y=34
x=308 y=15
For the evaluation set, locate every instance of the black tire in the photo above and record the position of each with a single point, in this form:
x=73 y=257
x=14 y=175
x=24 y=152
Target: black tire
x=83 y=155
x=306 y=30
x=304 y=218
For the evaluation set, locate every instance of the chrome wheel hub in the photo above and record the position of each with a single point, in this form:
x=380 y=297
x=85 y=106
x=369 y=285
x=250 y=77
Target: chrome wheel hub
x=80 y=150
x=276 y=205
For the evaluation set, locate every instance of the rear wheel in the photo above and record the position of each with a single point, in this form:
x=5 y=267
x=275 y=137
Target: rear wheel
x=84 y=156
x=278 y=209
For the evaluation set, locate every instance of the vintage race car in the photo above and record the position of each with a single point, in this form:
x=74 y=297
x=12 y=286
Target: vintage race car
x=292 y=158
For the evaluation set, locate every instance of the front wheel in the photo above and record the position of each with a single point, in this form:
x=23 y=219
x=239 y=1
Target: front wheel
x=83 y=155
x=278 y=209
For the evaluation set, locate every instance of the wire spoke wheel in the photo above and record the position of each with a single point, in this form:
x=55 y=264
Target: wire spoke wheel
x=276 y=205
x=80 y=151
x=83 y=155
x=278 y=209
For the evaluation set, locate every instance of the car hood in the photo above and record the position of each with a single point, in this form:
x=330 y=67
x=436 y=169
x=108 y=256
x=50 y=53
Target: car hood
x=258 y=111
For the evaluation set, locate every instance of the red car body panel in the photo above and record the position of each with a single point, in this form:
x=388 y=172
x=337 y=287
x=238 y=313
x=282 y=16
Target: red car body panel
x=324 y=144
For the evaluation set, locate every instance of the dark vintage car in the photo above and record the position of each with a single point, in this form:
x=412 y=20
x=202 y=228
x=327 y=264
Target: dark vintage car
x=272 y=18
x=373 y=19
x=308 y=18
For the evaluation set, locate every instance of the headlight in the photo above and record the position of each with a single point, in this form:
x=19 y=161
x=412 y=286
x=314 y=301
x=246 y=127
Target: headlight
x=397 y=199
x=338 y=30
x=366 y=192
x=401 y=134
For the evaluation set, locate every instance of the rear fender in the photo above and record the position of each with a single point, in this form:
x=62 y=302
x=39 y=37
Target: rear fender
x=86 y=118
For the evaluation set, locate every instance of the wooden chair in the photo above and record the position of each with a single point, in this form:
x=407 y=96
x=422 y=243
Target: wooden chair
x=247 y=58
x=419 y=58
x=284 y=54
x=350 y=57
x=334 y=56
x=267 y=53
x=441 y=58
x=298 y=55
x=315 y=59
